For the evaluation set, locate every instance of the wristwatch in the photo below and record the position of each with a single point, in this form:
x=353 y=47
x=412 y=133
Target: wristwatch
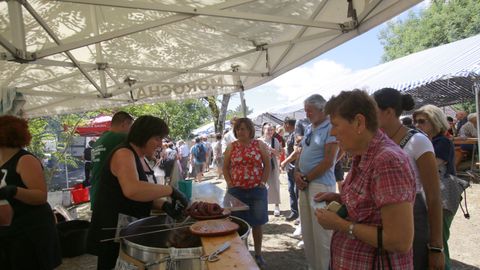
x=304 y=178
x=350 y=230
x=435 y=249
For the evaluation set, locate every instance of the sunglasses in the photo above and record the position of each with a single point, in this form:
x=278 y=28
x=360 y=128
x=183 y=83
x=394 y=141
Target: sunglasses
x=421 y=121
x=308 y=138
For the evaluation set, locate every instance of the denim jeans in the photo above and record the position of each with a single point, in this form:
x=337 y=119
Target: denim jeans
x=293 y=191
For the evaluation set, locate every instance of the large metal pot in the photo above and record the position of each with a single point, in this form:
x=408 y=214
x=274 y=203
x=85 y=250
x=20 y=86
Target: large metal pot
x=168 y=250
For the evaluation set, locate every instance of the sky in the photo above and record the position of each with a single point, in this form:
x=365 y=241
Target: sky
x=362 y=52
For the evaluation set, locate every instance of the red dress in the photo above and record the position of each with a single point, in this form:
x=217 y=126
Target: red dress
x=246 y=165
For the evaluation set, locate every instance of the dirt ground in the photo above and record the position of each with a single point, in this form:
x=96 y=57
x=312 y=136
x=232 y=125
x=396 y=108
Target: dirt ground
x=282 y=253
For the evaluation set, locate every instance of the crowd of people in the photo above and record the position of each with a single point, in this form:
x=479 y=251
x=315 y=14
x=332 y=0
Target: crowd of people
x=388 y=209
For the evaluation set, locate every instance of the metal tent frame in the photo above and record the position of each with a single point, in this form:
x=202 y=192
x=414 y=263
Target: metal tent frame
x=75 y=55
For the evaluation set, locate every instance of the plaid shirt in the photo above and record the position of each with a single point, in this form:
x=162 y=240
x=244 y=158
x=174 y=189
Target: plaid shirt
x=380 y=177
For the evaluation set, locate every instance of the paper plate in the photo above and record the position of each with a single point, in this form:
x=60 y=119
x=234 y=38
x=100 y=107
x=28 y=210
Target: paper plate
x=213 y=227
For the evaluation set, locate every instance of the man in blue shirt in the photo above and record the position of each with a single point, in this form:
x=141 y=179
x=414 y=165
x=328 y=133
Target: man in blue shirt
x=314 y=173
x=198 y=159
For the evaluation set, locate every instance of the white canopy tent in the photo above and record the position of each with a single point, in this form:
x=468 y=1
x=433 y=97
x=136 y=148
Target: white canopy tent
x=77 y=55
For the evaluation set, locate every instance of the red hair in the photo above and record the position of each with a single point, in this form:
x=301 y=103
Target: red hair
x=14 y=132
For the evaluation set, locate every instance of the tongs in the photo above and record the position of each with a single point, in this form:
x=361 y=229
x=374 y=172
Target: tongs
x=214 y=256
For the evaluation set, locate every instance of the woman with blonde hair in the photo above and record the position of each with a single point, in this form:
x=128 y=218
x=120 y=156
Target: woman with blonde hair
x=431 y=120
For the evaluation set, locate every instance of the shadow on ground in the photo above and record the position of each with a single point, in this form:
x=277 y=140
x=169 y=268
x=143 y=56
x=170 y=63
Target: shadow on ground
x=457 y=265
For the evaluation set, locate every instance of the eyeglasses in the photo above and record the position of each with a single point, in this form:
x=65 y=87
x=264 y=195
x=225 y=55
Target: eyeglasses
x=420 y=121
x=308 y=137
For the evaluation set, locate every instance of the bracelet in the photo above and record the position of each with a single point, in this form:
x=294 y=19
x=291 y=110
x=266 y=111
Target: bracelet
x=350 y=230
x=435 y=249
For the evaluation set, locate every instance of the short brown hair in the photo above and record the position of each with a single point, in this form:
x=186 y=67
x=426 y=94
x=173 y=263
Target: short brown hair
x=248 y=123
x=350 y=103
x=14 y=132
x=146 y=127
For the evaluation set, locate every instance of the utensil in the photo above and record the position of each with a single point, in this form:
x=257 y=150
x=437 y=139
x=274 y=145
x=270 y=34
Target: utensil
x=214 y=256
x=138 y=234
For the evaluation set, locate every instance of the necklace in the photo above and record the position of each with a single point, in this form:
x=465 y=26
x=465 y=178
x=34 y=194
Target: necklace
x=398 y=129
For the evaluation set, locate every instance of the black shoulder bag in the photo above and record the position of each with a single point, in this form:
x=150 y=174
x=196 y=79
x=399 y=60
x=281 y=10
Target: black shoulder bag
x=273 y=147
x=380 y=254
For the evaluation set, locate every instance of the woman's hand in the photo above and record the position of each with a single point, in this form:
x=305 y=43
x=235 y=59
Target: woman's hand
x=327 y=197
x=328 y=219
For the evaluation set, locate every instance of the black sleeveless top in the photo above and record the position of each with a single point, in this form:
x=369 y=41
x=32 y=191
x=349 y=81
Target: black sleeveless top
x=110 y=202
x=32 y=224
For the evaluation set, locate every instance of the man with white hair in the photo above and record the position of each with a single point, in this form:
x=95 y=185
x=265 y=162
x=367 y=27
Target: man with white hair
x=461 y=117
x=468 y=130
x=314 y=173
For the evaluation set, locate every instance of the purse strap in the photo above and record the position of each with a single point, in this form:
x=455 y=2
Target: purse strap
x=378 y=259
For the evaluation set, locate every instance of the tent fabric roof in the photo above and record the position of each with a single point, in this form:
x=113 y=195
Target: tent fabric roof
x=441 y=76
x=79 y=55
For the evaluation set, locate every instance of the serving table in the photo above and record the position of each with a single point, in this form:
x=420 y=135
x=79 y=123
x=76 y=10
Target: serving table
x=237 y=255
x=209 y=192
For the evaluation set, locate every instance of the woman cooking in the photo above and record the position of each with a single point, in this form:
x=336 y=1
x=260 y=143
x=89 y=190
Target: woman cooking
x=124 y=188
x=30 y=241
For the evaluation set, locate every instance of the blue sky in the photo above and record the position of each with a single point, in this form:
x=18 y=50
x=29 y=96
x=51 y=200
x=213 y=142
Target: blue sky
x=362 y=52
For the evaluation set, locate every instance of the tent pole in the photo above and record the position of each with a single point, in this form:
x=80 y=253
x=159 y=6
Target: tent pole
x=476 y=87
x=236 y=78
x=18 y=27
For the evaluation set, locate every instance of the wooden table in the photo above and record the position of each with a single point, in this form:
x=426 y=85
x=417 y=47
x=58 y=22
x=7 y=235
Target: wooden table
x=236 y=257
x=460 y=140
x=209 y=192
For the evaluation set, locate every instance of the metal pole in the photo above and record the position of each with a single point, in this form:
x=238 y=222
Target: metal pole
x=476 y=86
x=236 y=79
x=66 y=173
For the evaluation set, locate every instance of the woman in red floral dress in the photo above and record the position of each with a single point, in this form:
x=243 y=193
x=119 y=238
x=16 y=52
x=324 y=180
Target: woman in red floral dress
x=246 y=168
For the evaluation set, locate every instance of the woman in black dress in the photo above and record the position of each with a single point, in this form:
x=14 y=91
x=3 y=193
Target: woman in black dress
x=123 y=188
x=30 y=241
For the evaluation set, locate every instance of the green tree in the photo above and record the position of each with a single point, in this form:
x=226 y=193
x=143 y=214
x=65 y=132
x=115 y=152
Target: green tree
x=444 y=21
x=238 y=112
x=40 y=133
x=181 y=116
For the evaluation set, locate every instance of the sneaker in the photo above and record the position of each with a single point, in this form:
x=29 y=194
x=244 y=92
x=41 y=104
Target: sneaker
x=293 y=216
x=260 y=262
x=298 y=231
x=301 y=244
x=297 y=221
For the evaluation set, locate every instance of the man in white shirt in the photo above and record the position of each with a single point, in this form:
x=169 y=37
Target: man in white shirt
x=184 y=156
x=229 y=137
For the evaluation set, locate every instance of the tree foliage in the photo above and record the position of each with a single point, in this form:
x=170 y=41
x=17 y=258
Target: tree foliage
x=181 y=116
x=238 y=112
x=444 y=21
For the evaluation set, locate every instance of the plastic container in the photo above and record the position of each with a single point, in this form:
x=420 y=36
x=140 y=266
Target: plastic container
x=185 y=186
x=80 y=195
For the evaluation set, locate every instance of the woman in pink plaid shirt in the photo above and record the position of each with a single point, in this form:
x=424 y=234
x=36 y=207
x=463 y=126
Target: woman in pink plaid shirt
x=379 y=190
